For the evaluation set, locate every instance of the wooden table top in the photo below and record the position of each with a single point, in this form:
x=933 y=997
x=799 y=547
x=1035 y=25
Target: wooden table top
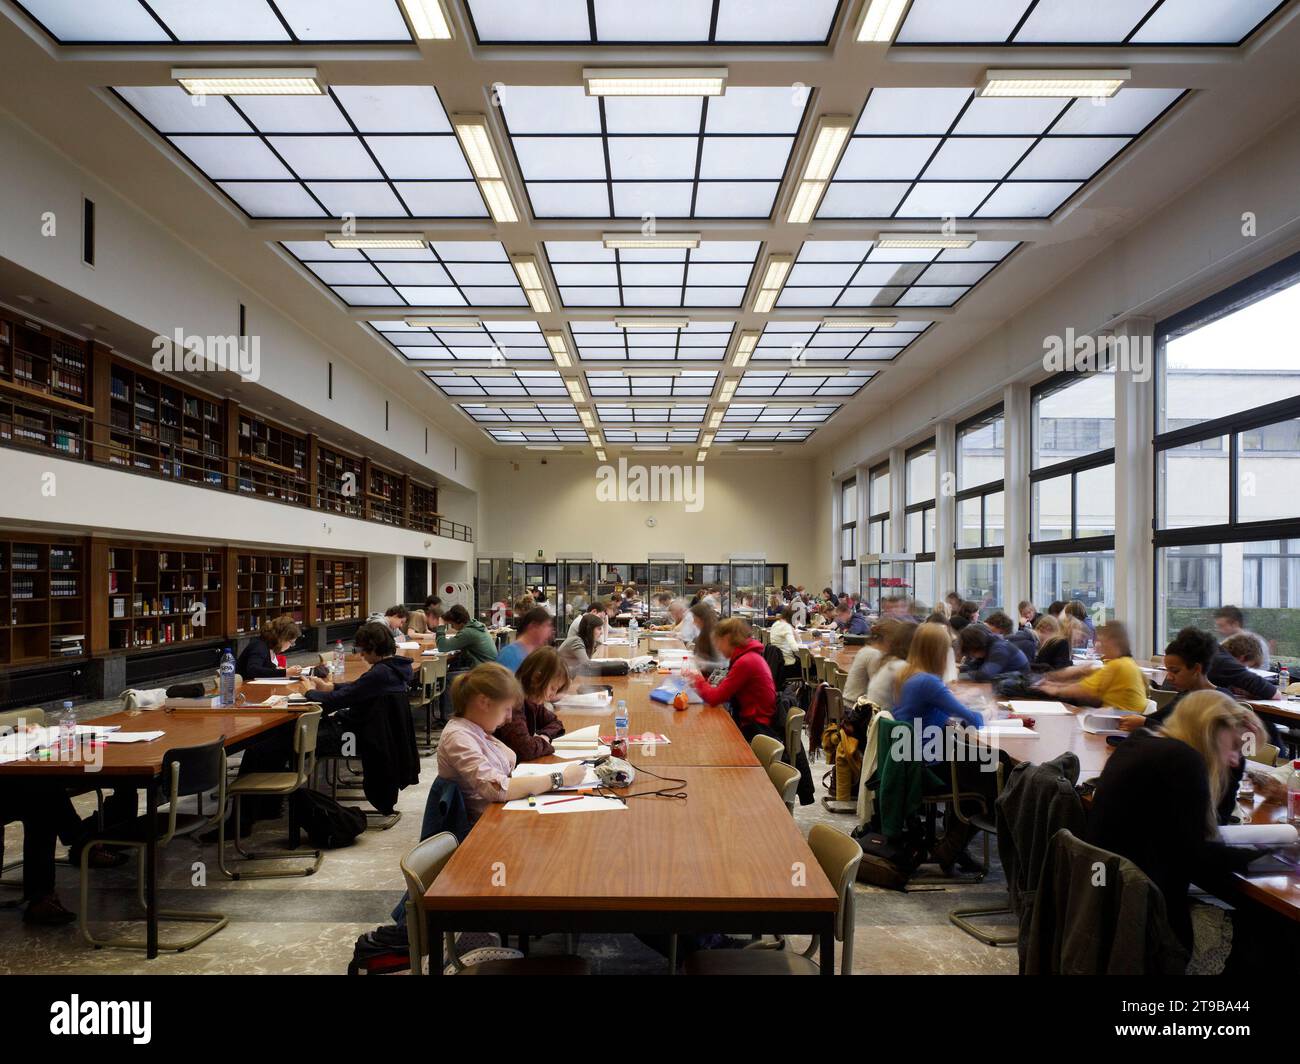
x=730 y=846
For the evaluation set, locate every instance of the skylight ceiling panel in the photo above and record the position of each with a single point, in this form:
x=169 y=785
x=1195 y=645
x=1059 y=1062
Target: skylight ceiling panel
x=549 y=109
x=755 y=110
x=1128 y=112
x=668 y=21
x=171 y=110
x=369 y=199
x=911 y=111
x=272 y=200
x=327 y=158
x=105 y=20
x=846 y=199
x=416 y=273
x=1068 y=158
x=725 y=158
x=321 y=251
x=344 y=20
x=230 y=20
x=834 y=251
x=652 y=436
x=346 y=273
x=539 y=20
x=1203 y=21
x=651 y=297
x=589 y=200
x=659 y=114
x=980 y=251
x=395 y=108
x=721 y=199
x=442 y=199
x=896 y=255
x=232 y=158
x=657 y=274
x=290 y=114
x=669 y=200
x=944 y=199
x=824 y=274
x=886 y=158
x=560 y=158
x=887 y=274
x=1069 y=21
x=369 y=297
x=1031 y=199
x=775 y=20
x=975 y=158
x=594 y=275
x=763 y=435
x=420 y=158
x=1009 y=115
x=704 y=296
x=960 y=21
x=923 y=296
x=955 y=273
x=579 y=296
x=809 y=297
x=491 y=274
x=652 y=158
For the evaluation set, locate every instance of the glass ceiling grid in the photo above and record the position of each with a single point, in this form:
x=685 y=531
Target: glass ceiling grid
x=703 y=158
x=800 y=343
x=936 y=153
x=232 y=22
x=704 y=341
x=515 y=386
x=651 y=436
x=614 y=384
x=716 y=274
x=380 y=151
x=769 y=384
x=665 y=22
x=1047 y=23
x=496 y=343
x=762 y=435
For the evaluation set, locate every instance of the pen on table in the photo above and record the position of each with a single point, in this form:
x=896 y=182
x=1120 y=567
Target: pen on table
x=561 y=801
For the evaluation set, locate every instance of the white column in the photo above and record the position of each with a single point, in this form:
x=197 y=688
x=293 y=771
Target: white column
x=897 y=501
x=385 y=580
x=1018 y=437
x=945 y=507
x=1134 y=485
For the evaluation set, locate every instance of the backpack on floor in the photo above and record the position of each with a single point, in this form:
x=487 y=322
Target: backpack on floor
x=328 y=824
x=884 y=863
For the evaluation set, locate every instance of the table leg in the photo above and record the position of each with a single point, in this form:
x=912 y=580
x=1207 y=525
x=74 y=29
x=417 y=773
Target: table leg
x=827 y=951
x=437 y=959
x=151 y=873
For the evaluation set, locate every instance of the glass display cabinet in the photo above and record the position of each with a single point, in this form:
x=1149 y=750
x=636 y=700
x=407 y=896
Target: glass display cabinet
x=576 y=587
x=747 y=583
x=498 y=584
x=544 y=575
x=665 y=575
x=703 y=577
x=885 y=576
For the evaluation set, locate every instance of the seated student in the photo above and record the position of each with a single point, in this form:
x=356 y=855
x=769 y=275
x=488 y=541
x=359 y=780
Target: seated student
x=523 y=604
x=748 y=685
x=468 y=635
x=577 y=652
x=775 y=604
x=1021 y=638
x=848 y=620
x=396 y=618
x=1187 y=670
x=263 y=658
x=829 y=596
x=952 y=604
x=46 y=813
x=986 y=655
x=605 y=609
x=536 y=629
x=1028 y=614
x=781 y=635
x=417 y=624
x=866 y=661
x=1229 y=621
x=539 y=599
x=483 y=699
x=1055 y=609
x=1054 y=651
x=344 y=703
x=967 y=613
x=882 y=684
x=1078 y=613
x=1231 y=667
x=532 y=725
x=433 y=602
x=707 y=657
x=1157 y=797
x=1118 y=684
x=681 y=621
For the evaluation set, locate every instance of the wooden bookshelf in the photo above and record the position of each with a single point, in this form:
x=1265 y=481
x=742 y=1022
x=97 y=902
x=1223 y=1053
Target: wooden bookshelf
x=272 y=461
x=423 y=512
x=340 y=592
x=45 y=388
x=160 y=428
x=42 y=600
x=151 y=596
x=386 y=496
x=340 y=482
x=268 y=585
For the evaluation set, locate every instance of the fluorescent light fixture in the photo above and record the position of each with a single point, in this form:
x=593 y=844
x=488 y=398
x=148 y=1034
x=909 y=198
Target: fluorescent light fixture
x=594 y=439
x=652 y=447
x=542 y=447
x=600 y=455
x=500 y=203
x=559 y=349
x=530 y=279
x=651 y=323
x=925 y=240
x=744 y=349
x=774 y=275
x=248 y=81
x=1054 y=83
x=428 y=19
x=444 y=323
x=376 y=242
x=880 y=19
x=828 y=142
x=575 y=390
x=588 y=422
x=859 y=323
x=728 y=390
x=482 y=373
x=651 y=373
x=706 y=441
x=659 y=242
x=715 y=419
x=803 y=372
x=655 y=81
x=756 y=450
x=476 y=140
x=701 y=456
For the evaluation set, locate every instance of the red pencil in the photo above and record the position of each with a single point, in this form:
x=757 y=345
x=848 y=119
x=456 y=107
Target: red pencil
x=561 y=801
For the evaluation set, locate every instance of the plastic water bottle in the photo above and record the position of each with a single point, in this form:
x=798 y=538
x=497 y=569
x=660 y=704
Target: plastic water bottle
x=633 y=635
x=338 y=658
x=619 y=747
x=67 y=729
x=1293 y=794
x=226 y=678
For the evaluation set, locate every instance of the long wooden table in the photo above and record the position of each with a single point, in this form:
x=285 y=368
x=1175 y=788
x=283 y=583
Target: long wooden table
x=727 y=858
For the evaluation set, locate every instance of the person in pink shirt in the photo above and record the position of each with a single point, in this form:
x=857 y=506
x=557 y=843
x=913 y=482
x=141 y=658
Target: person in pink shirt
x=483 y=699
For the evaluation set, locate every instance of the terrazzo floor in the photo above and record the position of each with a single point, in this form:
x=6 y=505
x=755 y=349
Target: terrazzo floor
x=309 y=925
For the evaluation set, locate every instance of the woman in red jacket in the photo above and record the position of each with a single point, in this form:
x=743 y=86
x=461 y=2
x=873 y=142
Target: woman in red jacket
x=748 y=685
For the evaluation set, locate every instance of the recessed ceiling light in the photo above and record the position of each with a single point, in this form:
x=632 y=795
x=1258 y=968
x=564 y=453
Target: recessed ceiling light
x=701 y=456
x=575 y=391
x=376 y=241
x=651 y=323
x=660 y=242
x=859 y=323
x=803 y=372
x=530 y=279
x=728 y=390
x=600 y=455
x=925 y=240
x=543 y=447
x=652 y=447
x=880 y=19
x=744 y=349
x=756 y=450
x=828 y=142
x=778 y=267
x=482 y=373
x=655 y=81
x=476 y=140
x=443 y=323
x=1054 y=83
x=428 y=19
x=594 y=439
x=559 y=349
x=248 y=81
x=501 y=205
x=706 y=441
x=715 y=419
x=588 y=422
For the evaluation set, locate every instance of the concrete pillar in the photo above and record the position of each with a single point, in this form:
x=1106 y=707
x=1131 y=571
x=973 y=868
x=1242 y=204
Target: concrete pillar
x=1134 y=487
x=1017 y=461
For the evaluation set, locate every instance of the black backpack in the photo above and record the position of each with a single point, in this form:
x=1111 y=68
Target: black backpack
x=329 y=825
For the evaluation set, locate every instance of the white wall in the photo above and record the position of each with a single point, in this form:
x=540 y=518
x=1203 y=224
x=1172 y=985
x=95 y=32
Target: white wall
x=750 y=505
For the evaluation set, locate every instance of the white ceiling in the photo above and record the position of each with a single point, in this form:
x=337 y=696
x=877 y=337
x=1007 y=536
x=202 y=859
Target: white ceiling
x=256 y=183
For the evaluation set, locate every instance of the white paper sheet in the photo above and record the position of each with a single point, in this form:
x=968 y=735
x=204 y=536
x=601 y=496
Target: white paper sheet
x=581 y=753
x=276 y=680
x=588 y=803
x=1258 y=834
x=589 y=734
x=1040 y=709
x=133 y=736
x=591 y=700
x=407 y=646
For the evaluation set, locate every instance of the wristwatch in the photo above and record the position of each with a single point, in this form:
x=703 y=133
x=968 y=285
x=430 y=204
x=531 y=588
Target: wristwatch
x=557 y=780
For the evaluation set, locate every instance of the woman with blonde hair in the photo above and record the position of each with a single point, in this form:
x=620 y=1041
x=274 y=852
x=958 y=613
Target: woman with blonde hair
x=1158 y=798
x=1054 y=650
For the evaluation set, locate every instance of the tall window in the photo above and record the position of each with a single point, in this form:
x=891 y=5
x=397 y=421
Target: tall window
x=1072 y=487
x=849 y=534
x=878 y=496
x=919 y=526
x=1228 y=460
x=981 y=509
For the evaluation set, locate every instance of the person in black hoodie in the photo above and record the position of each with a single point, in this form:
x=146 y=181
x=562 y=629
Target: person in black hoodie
x=263 y=657
x=346 y=705
x=1022 y=638
x=1230 y=674
x=986 y=655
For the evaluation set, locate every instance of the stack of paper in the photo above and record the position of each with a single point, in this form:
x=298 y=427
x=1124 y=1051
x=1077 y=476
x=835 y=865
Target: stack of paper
x=1258 y=835
x=590 y=700
x=1040 y=709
